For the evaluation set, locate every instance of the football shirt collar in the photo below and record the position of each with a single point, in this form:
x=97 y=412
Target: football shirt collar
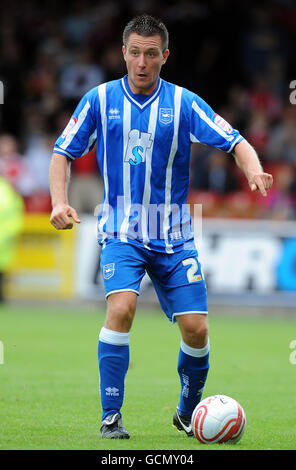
x=139 y=99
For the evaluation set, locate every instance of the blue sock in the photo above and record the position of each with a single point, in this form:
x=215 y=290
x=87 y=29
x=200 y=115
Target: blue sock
x=193 y=366
x=113 y=355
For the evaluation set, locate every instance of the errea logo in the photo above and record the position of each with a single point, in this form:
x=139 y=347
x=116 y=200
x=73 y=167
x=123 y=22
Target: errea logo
x=114 y=113
x=112 y=392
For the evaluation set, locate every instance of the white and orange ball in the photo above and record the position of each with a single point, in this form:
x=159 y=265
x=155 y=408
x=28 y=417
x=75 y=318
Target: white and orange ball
x=218 y=419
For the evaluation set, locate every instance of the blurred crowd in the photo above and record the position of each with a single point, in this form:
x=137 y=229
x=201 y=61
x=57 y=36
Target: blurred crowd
x=239 y=57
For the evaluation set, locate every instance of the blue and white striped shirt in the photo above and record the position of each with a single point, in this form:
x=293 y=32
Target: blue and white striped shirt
x=143 y=150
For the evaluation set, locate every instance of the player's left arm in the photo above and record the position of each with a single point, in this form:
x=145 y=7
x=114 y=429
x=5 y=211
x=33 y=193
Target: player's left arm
x=248 y=161
x=208 y=127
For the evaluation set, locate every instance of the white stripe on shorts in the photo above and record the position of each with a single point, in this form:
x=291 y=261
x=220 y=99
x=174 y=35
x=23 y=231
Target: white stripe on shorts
x=204 y=312
x=122 y=290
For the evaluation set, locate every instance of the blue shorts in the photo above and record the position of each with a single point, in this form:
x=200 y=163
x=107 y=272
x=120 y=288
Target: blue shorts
x=177 y=277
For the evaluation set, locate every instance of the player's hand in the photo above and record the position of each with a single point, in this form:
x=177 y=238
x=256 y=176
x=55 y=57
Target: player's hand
x=261 y=182
x=61 y=217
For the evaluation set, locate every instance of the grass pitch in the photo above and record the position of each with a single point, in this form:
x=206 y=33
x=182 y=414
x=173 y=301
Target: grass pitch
x=49 y=382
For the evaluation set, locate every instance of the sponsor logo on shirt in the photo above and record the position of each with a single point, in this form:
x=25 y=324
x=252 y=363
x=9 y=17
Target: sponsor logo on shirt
x=224 y=125
x=138 y=143
x=70 y=125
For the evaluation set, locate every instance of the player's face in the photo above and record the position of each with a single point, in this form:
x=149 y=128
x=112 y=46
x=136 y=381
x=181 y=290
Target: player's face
x=144 y=57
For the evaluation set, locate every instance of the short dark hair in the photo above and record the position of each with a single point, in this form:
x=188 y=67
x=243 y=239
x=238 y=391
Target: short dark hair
x=146 y=25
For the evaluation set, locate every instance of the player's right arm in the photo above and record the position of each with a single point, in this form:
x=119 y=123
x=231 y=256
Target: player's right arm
x=77 y=140
x=59 y=175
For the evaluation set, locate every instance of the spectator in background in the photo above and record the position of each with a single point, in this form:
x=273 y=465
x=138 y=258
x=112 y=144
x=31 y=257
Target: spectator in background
x=41 y=86
x=28 y=173
x=13 y=166
x=77 y=78
x=264 y=110
x=37 y=158
x=11 y=213
x=280 y=203
x=257 y=131
x=261 y=99
x=39 y=45
x=112 y=62
x=86 y=188
x=11 y=75
x=238 y=106
x=78 y=23
x=282 y=141
x=215 y=174
x=277 y=73
x=261 y=39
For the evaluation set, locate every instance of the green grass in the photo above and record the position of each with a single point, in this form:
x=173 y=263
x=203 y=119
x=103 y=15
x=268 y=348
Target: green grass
x=49 y=380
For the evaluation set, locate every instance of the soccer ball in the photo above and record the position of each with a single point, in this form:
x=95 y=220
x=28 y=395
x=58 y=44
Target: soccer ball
x=218 y=419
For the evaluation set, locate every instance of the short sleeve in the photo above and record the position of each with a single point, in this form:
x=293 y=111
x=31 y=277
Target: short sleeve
x=208 y=127
x=80 y=135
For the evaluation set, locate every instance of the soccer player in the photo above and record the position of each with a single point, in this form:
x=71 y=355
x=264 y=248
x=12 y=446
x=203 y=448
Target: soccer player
x=143 y=127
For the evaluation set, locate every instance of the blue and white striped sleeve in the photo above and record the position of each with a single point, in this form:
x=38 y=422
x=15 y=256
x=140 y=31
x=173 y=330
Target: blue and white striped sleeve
x=80 y=135
x=208 y=127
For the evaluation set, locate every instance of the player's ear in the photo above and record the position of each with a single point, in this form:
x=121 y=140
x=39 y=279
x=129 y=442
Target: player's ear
x=124 y=51
x=165 y=55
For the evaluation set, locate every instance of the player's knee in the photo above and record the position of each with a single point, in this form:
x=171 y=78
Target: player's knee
x=119 y=319
x=195 y=332
x=120 y=314
x=197 y=337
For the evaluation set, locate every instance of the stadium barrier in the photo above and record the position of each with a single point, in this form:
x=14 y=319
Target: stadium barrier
x=243 y=260
x=249 y=261
x=44 y=261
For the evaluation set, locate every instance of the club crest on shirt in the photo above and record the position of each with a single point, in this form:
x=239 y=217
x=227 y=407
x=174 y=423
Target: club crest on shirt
x=108 y=270
x=166 y=115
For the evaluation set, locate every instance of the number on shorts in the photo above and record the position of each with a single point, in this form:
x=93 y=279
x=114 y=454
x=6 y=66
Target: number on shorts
x=192 y=275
